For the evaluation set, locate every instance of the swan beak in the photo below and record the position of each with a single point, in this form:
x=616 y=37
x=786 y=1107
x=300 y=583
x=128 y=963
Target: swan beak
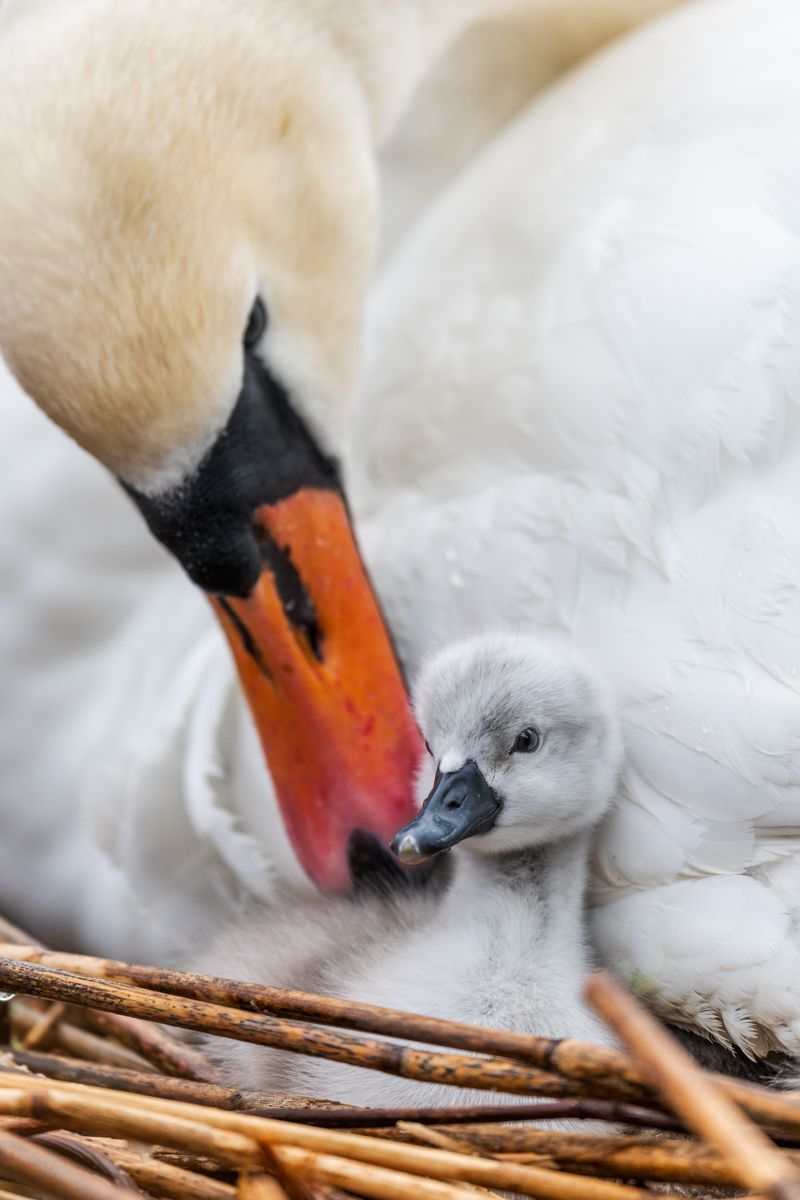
x=460 y=806
x=323 y=684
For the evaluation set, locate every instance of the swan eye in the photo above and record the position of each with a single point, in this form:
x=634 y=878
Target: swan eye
x=427 y=747
x=528 y=741
x=256 y=324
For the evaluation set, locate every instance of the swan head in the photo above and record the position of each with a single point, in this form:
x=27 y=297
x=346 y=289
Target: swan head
x=526 y=746
x=186 y=234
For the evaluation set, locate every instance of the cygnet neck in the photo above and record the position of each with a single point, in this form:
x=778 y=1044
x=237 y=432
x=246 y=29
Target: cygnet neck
x=545 y=886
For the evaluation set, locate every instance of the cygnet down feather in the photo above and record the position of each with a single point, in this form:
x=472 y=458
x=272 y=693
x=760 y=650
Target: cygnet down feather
x=527 y=755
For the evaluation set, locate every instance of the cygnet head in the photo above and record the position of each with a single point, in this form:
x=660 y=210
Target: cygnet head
x=526 y=745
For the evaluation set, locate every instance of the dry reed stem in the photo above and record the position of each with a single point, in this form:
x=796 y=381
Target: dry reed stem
x=574 y=1059
x=35 y=1165
x=503 y=1075
x=272 y=1104
x=585 y=1061
x=367 y=1179
x=21 y=1126
x=86 y=1153
x=259 y=1187
x=163 y=1179
x=108 y=1119
x=329 y=1113
x=80 y=1042
x=95 y=1110
x=663 y=1160
x=376 y=1119
x=151 y=1043
x=44 y=1026
x=16 y=936
x=689 y=1092
x=201 y=1164
x=154 y=1045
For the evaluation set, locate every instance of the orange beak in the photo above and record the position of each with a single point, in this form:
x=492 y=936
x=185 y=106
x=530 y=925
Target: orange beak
x=323 y=684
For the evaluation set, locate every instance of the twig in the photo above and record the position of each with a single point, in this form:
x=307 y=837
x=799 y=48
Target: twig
x=611 y=1073
x=83 y=1151
x=272 y=1104
x=502 y=1075
x=75 y=1040
x=664 y=1160
x=582 y=1060
x=153 y=1044
x=55 y=1175
x=696 y=1098
x=259 y=1187
x=16 y=936
x=367 y=1179
x=160 y=1178
x=328 y=1113
x=183 y=1125
x=45 y=1025
x=542 y=1110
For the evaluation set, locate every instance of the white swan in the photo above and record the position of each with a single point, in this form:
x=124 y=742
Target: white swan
x=527 y=754
x=582 y=411
x=130 y=775
x=584 y=414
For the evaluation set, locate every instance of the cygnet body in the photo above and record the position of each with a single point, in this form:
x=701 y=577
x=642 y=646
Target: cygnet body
x=527 y=755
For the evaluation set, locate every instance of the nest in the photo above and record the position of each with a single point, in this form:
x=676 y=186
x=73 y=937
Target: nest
x=98 y=1101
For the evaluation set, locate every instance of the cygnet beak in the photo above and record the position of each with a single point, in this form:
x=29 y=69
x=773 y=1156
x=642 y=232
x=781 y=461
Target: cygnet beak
x=460 y=805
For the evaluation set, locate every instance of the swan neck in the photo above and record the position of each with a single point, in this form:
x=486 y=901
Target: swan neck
x=389 y=46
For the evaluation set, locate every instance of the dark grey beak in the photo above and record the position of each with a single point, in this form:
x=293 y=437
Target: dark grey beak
x=460 y=805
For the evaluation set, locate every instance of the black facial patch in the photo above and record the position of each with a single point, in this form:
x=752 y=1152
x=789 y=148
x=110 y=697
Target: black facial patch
x=264 y=454
x=245 y=636
x=294 y=596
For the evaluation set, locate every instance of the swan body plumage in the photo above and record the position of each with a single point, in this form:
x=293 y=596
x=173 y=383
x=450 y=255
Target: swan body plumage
x=596 y=330
x=505 y=945
x=579 y=412
x=132 y=779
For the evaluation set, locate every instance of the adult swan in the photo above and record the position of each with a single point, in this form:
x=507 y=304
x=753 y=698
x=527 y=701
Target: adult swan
x=591 y=340
x=582 y=411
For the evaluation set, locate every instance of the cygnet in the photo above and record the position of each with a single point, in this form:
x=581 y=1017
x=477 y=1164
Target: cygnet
x=525 y=753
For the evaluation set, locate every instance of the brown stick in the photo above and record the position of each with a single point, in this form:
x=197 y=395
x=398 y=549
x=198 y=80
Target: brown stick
x=80 y=1042
x=153 y=1044
x=106 y=1117
x=691 y=1094
x=86 y=1153
x=367 y=1179
x=259 y=1187
x=5 y=1194
x=162 y=1179
x=74 y=1104
x=56 y=1176
x=16 y=936
x=503 y=1075
x=157 y=1047
x=272 y=1104
x=570 y=1057
x=44 y=1026
x=328 y=1113
x=590 y=1062
x=665 y=1160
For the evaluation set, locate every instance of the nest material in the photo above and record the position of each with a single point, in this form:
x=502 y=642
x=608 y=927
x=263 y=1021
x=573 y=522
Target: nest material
x=97 y=1100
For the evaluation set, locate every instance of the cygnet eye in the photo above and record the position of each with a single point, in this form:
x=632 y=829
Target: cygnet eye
x=256 y=324
x=527 y=741
x=428 y=748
